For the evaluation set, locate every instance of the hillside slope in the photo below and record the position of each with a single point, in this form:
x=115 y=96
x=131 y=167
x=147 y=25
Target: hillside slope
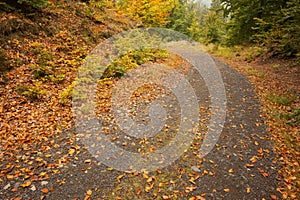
x=40 y=52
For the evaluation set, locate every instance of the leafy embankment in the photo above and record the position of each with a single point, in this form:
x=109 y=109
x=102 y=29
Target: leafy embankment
x=40 y=52
x=277 y=85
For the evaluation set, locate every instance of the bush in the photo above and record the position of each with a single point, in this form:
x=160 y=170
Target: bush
x=25 y=6
x=131 y=60
x=4 y=61
x=32 y=93
x=33 y=3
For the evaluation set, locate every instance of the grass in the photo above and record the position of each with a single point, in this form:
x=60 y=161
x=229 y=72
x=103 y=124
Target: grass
x=248 y=53
x=254 y=72
x=283 y=99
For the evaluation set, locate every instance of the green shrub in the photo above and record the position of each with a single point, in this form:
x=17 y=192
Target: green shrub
x=58 y=78
x=34 y=3
x=67 y=94
x=284 y=99
x=4 y=61
x=5 y=7
x=39 y=71
x=45 y=57
x=293 y=118
x=30 y=92
x=133 y=59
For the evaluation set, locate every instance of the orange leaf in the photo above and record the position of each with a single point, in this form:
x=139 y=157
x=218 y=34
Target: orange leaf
x=248 y=190
x=226 y=190
x=45 y=190
x=26 y=184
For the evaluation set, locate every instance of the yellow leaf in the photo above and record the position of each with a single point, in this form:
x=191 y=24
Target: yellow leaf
x=39 y=159
x=26 y=184
x=248 y=190
x=161 y=184
x=147 y=188
x=192 y=180
x=145 y=175
x=120 y=177
x=89 y=192
x=88 y=161
x=226 y=190
x=9 y=176
x=71 y=152
x=150 y=179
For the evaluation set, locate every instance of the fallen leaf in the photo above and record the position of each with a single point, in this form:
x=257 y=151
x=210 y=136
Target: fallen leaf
x=248 y=190
x=26 y=184
x=89 y=192
x=226 y=190
x=10 y=176
x=249 y=165
x=45 y=190
x=120 y=177
x=71 y=152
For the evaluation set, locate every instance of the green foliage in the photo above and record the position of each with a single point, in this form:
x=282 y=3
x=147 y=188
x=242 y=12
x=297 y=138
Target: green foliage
x=25 y=6
x=36 y=47
x=34 y=3
x=185 y=18
x=293 y=117
x=272 y=24
x=67 y=94
x=6 y=7
x=280 y=33
x=44 y=57
x=41 y=70
x=58 y=79
x=213 y=25
x=32 y=93
x=131 y=60
x=4 y=61
x=284 y=99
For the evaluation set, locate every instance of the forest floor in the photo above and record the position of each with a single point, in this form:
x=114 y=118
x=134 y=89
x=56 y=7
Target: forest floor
x=41 y=158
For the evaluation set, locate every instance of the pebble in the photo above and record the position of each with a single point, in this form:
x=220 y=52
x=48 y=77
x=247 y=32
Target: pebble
x=32 y=188
x=6 y=187
x=44 y=182
x=196 y=169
